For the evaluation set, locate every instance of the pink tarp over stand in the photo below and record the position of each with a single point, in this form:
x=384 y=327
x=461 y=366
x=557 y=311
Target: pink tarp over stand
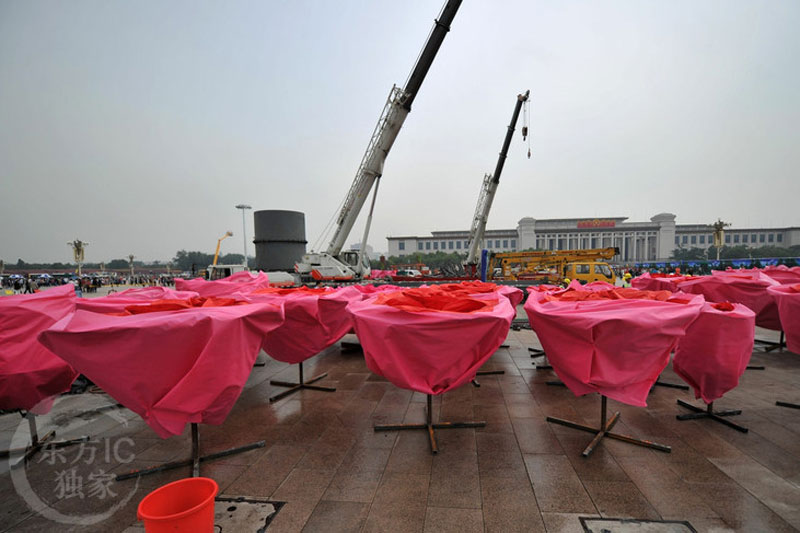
x=315 y=319
x=29 y=372
x=478 y=288
x=422 y=348
x=370 y=290
x=716 y=349
x=617 y=347
x=787 y=298
x=116 y=302
x=241 y=282
x=783 y=274
x=659 y=282
x=169 y=367
x=748 y=288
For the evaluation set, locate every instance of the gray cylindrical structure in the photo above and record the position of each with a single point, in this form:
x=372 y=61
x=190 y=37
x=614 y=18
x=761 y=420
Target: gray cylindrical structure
x=280 y=239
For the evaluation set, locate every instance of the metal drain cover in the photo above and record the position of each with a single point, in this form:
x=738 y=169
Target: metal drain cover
x=631 y=525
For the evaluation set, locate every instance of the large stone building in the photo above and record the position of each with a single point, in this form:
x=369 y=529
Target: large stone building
x=653 y=240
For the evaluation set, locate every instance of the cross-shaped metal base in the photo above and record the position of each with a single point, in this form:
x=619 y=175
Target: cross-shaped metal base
x=709 y=412
x=605 y=431
x=787 y=404
x=196 y=459
x=38 y=444
x=294 y=387
x=772 y=345
x=429 y=426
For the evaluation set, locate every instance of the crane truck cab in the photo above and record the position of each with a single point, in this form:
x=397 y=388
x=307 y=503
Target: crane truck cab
x=588 y=271
x=222 y=271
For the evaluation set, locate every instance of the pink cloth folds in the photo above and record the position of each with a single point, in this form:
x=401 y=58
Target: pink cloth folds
x=783 y=274
x=169 y=367
x=659 y=282
x=410 y=340
x=117 y=302
x=29 y=372
x=787 y=298
x=616 y=347
x=744 y=287
x=315 y=319
x=716 y=350
x=241 y=282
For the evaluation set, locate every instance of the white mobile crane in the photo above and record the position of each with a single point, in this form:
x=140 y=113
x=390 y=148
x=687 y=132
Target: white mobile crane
x=488 y=190
x=335 y=264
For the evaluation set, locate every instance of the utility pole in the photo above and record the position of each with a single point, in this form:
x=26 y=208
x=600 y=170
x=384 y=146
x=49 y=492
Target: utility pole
x=78 y=247
x=719 y=234
x=130 y=264
x=244 y=207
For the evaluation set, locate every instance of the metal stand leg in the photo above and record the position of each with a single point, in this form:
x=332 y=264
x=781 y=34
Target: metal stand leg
x=660 y=383
x=351 y=346
x=771 y=345
x=536 y=352
x=605 y=431
x=787 y=404
x=294 y=387
x=195 y=460
x=38 y=444
x=486 y=373
x=429 y=426
x=710 y=413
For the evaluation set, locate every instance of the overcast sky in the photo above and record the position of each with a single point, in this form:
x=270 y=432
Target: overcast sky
x=138 y=126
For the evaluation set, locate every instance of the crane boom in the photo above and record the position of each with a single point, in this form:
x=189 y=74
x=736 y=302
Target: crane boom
x=394 y=113
x=489 y=188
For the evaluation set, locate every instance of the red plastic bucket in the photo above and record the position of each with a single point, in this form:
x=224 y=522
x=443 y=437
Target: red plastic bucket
x=183 y=505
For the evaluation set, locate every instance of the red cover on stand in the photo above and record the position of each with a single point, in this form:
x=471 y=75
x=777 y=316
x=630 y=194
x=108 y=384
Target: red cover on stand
x=241 y=282
x=744 y=287
x=170 y=367
x=787 y=298
x=315 y=319
x=659 y=282
x=29 y=372
x=611 y=341
x=116 y=302
x=783 y=274
x=428 y=339
x=716 y=349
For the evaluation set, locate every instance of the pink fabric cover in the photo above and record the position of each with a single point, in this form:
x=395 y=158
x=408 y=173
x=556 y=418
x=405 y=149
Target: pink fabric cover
x=381 y=274
x=716 y=350
x=478 y=288
x=659 y=282
x=748 y=288
x=116 y=302
x=426 y=349
x=787 y=298
x=315 y=319
x=783 y=274
x=369 y=290
x=29 y=372
x=241 y=282
x=615 y=347
x=169 y=367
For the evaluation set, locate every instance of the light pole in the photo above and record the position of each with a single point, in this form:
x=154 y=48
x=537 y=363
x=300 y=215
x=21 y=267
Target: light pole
x=244 y=207
x=78 y=247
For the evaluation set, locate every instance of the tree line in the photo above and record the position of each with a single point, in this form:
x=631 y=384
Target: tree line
x=183 y=261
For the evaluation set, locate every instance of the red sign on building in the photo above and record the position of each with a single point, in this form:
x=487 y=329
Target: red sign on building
x=596 y=223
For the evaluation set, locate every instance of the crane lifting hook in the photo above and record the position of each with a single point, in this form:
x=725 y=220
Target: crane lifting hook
x=524 y=132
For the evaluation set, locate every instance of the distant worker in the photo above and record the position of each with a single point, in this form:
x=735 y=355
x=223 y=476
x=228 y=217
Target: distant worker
x=626 y=279
x=566 y=282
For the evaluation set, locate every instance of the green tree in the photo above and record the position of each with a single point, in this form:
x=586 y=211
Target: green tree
x=184 y=260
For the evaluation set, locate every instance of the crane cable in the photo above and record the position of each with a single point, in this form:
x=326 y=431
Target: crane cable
x=525 y=120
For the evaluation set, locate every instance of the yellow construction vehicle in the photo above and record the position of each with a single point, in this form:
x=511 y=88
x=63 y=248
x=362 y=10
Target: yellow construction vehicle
x=219 y=241
x=553 y=266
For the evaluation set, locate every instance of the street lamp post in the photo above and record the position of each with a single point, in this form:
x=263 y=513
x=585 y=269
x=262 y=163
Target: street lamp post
x=244 y=207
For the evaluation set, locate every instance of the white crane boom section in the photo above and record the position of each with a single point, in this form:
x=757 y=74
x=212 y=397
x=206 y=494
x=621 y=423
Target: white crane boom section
x=482 y=210
x=371 y=168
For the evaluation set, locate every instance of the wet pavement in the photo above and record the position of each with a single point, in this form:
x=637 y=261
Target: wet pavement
x=519 y=473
